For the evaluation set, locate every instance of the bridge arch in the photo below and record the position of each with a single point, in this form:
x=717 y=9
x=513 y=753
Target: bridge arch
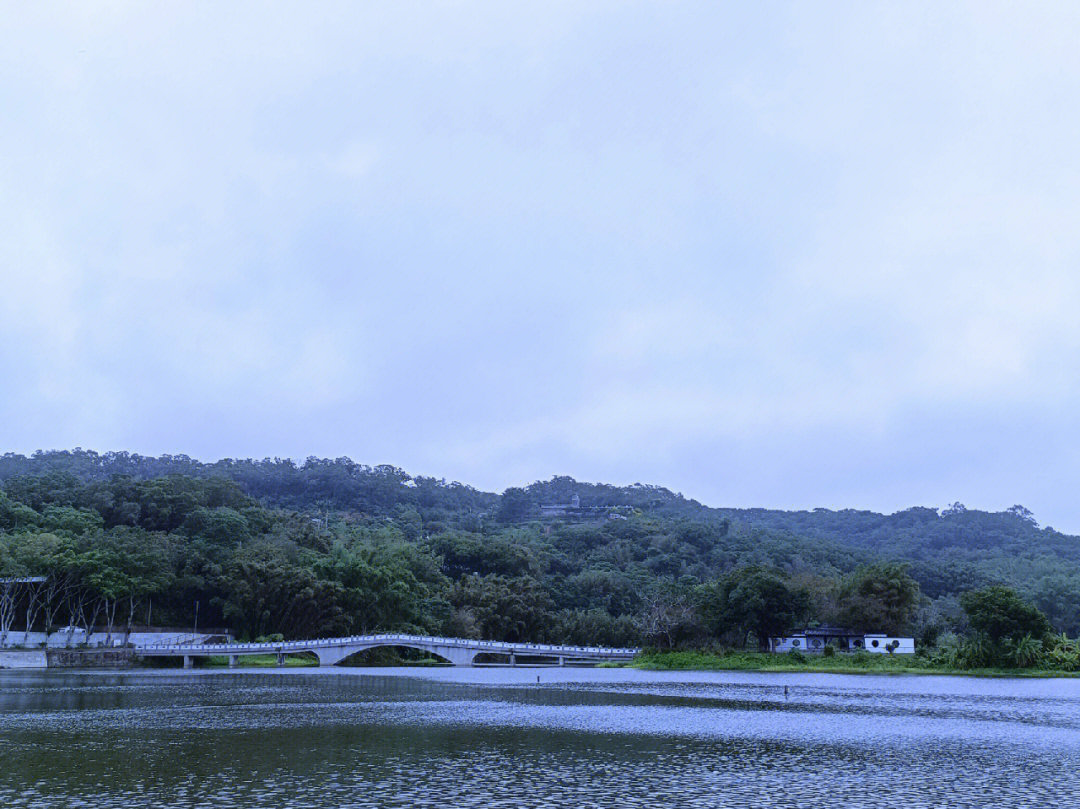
x=454 y=655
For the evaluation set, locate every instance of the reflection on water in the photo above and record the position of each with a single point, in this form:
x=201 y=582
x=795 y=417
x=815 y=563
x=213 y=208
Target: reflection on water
x=497 y=738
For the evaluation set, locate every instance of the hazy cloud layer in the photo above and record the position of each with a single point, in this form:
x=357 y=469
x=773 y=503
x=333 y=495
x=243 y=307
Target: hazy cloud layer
x=767 y=254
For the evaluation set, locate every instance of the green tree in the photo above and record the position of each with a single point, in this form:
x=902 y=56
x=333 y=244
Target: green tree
x=387 y=584
x=515 y=505
x=271 y=587
x=752 y=601
x=879 y=598
x=1001 y=614
x=217 y=525
x=512 y=609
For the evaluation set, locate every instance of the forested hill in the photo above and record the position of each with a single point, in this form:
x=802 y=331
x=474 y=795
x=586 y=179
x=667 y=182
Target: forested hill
x=317 y=484
x=250 y=537
x=339 y=484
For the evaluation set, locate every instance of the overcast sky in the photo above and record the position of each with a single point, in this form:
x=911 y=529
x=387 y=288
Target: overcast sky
x=788 y=255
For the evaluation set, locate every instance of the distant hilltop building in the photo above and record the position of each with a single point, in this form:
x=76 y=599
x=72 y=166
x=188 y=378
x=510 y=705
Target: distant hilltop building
x=843 y=640
x=561 y=509
x=575 y=511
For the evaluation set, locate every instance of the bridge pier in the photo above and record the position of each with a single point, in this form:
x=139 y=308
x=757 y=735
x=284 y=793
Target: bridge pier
x=281 y=658
x=331 y=655
x=513 y=659
x=234 y=661
x=189 y=662
x=457 y=655
x=562 y=660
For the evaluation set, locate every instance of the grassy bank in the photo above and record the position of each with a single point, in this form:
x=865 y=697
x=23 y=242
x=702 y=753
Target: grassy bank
x=858 y=663
x=264 y=661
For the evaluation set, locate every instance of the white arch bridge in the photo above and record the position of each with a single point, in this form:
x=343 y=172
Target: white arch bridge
x=458 y=651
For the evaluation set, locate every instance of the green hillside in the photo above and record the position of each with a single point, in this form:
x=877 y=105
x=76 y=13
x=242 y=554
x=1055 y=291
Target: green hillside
x=332 y=547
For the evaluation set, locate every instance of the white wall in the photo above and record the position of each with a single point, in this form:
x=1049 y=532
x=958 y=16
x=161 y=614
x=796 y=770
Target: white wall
x=787 y=644
x=905 y=646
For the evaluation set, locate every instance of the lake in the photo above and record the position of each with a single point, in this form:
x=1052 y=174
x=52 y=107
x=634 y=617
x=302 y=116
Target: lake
x=495 y=737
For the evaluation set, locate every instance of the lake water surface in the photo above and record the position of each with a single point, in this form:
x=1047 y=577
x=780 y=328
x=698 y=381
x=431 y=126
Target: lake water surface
x=498 y=738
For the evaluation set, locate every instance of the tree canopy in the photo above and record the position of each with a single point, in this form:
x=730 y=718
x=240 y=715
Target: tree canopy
x=1001 y=614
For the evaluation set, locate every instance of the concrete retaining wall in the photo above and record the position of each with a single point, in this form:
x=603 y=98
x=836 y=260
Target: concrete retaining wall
x=32 y=659
x=90 y=658
x=66 y=658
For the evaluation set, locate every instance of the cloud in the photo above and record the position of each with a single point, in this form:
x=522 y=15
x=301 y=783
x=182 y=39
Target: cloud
x=773 y=255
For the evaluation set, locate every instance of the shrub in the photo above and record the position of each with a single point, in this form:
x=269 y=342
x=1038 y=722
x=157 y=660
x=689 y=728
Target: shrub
x=946 y=650
x=1062 y=654
x=1024 y=653
x=976 y=653
x=829 y=651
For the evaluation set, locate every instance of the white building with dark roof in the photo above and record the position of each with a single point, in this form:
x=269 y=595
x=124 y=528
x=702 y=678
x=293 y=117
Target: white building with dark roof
x=815 y=639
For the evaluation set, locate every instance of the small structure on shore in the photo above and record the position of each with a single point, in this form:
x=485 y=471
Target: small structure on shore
x=815 y=639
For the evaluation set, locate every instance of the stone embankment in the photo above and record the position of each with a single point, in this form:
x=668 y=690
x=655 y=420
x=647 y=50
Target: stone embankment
x=66 y=658
x=90 y=658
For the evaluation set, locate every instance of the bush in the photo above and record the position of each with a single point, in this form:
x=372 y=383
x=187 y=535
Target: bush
x=675 y=661
x=945 y=650
x=795 y=656
x=1024 y=653
x=829 y=651
x=1062 y=654
x=977 y=652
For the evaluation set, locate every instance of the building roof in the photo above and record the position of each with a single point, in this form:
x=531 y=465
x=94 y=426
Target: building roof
x=831 y=632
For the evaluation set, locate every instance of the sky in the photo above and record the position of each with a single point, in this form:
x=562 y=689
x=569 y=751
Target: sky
x=787 y=255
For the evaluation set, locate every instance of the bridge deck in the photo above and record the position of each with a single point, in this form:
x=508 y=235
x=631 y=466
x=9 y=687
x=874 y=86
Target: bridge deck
x=370 y=641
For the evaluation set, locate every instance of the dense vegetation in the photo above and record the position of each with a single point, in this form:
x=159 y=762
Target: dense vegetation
x=332 y=547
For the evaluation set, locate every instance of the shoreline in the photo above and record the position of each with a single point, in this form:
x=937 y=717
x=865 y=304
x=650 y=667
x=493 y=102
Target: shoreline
x=672 y=662
x=535 y=676
x=766 y=662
